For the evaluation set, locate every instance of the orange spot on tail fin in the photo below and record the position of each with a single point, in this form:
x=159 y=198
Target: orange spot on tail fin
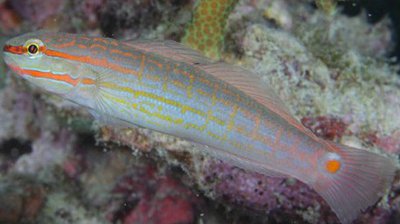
x=332 y=166
x=358 y=181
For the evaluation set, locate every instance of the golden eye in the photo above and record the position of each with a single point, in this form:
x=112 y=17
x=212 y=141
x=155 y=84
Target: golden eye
x=33 y=49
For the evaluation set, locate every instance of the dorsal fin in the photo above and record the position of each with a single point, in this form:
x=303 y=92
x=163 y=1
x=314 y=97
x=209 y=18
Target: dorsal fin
x=170 y=49
x=241 y=78
x=249 y=83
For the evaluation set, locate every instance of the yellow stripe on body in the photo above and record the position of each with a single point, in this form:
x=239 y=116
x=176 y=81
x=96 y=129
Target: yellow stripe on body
x=142 y=109
x=164 y=117
x=141 y=68
x=184 y=108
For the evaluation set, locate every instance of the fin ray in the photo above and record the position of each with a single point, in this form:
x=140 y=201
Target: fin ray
x=364 y=178
x=244 y=163
x=170 y=49
x=251 y=84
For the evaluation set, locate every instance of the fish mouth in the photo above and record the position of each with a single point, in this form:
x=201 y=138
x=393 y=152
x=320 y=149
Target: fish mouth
x=6 y=47
x=8 y=59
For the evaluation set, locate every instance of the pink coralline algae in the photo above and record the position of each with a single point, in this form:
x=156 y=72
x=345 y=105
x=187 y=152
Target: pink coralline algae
x=22 y=199
x=37 y=11
x=326 y=127
x=9 y=20
x=74 y=166
x=281 y=198
x=151 y=199
x=16 y=115
x=389 y=143
x=90 y=9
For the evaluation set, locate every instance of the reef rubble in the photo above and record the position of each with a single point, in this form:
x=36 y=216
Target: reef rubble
x=57 y=165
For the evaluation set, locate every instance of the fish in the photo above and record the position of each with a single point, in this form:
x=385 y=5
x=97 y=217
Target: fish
x=225 y=109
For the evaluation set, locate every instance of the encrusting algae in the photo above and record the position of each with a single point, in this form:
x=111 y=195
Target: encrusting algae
x=297 y=70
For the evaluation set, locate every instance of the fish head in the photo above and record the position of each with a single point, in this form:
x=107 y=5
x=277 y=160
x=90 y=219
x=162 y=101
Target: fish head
x=27 y=55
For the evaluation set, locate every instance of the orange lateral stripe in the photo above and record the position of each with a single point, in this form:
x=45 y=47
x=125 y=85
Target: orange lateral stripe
x=14 y=49
x=19 y=49
x=89 y=60
x=48 y=75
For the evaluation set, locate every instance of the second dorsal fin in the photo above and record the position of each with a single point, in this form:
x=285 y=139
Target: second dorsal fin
x=249 y=83
x=170 y=49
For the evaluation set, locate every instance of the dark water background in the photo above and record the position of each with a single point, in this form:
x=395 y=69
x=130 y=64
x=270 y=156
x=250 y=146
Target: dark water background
x=376 y=10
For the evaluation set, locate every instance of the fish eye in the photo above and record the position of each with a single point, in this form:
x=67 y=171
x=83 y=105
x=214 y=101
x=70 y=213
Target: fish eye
x=33 y=47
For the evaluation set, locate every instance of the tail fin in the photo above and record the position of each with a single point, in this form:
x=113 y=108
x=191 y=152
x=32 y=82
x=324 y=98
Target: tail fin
x=362 y=180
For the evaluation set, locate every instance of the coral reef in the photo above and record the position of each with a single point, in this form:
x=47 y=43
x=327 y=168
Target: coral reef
x=206 y=31
x=162 y=200
x=328 y=6
x=24 y=198
x=56 y=166
x=37 y=11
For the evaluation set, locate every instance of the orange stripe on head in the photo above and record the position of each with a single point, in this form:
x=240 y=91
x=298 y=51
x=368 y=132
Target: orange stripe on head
x=49 y=75
x=20 y=49
x=14 y=49
x=89 y=60
x=42 y=48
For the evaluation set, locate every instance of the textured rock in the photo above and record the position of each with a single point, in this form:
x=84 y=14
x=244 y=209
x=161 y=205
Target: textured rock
x=331 y=72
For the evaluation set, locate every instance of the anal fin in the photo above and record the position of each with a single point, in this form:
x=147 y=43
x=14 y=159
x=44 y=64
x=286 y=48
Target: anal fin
x=241 y=162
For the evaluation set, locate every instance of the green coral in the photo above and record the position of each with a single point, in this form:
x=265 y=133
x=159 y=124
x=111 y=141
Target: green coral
x=327 y=6
x=207 y=29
